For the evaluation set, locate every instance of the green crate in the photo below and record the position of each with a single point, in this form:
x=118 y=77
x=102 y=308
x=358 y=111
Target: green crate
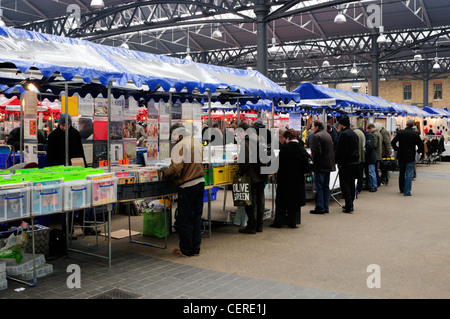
x=209 y=180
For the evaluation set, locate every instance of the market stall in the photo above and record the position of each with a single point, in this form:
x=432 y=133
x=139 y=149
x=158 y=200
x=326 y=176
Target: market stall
x=108 y=85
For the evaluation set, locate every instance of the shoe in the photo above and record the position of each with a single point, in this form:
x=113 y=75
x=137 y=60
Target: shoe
x=407 y=194
x=347 y=210
x=372 y=190
x=316 y=212
x=275 y=226
x=245 y=230
x=326 y=211
x=292 y=226
x=259 y=229
x=178 y=253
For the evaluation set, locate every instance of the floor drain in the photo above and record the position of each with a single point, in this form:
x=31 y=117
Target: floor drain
x=117 y=294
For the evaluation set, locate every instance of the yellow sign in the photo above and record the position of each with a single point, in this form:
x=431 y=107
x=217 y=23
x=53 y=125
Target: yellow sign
x=73 y=105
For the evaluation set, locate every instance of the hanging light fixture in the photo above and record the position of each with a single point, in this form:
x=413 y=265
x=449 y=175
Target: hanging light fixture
x=124 y=45
x=188 y=49
x=354 y=70
x=325 y=64
x=340 y=17
x=97 y=4
x=417 y=57
x=436 y=65
x=284 y=75
x=381 y=38
x=216 y=34
x=273 y=48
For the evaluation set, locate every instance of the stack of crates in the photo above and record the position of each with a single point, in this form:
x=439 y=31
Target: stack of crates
x=3 y=281
x=220 y=175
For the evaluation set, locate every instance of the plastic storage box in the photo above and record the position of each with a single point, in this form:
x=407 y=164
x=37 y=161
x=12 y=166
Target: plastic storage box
x=47 y=196
x=77 y=194
x=15 y=201
x=41 y=271
x=14 y=269
x=104 y=188
x=214 y=191
x=220 y=175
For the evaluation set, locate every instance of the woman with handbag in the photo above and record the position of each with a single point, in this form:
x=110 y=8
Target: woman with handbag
x=290 y=182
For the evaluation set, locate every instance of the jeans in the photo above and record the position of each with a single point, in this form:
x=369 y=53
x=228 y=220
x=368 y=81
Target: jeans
x=372 y=178
x=189 y=219
x=406 y=171
x=322 y=190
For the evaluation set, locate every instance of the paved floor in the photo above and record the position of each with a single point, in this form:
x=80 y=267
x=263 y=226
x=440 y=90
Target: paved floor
x=327 y=257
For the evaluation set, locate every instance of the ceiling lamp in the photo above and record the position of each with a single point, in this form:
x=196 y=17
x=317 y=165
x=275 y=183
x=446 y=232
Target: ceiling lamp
x=2 y=23
x=319 y=82
x=340 y=17
x=381 y=37
x=97 y=4
x=436 y=65
x=217 y=34
x=273 y=48
x=188 y=56
x=417 y=57
x=249 y=68
x=284 y=75
x=124 y=46
x=325 y=64
x=354 y=70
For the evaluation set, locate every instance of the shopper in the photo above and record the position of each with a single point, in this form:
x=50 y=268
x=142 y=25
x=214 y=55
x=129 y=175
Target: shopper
x=371 y=158
x=141 y=134
x=290 y=182
x=378 y=139
x=385 y=153
x=405 y=143
x=347 y=159
x=57 y=140
x=186 y=170
x=322 y=151
x=249 y=165
x=281 y=138
x=362 y=159
x=14 y=139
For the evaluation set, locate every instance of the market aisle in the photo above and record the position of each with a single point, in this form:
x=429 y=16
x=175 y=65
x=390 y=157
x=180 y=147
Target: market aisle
x=326 y=257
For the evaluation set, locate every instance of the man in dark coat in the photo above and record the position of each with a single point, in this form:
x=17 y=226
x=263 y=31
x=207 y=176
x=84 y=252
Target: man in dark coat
x=322 y=151
x=347 y=159
x=405 y=142
x=57 y=141
x=248 y=165
x=14 y=139
x=290 y=181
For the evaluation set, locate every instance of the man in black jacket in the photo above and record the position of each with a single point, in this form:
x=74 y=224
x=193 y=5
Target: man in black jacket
x=405 y=142
x=322 y=151
x=347 y=159
x=57 y=141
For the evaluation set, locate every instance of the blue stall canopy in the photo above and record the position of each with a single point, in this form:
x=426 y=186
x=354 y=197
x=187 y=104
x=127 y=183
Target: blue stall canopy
x=320 y=96
x=436 y=112
x=60 y=59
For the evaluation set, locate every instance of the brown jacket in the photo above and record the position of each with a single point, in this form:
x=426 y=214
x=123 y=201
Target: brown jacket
x=186 y=165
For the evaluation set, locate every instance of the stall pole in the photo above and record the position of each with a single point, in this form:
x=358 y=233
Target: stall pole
x=21 y=133
x=66 y=135
x=170 y=122
x=209 y=161
x=238 y=112
x=108 y=145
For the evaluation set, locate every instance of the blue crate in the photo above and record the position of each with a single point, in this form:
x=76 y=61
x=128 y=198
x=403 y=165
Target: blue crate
x=214 y=191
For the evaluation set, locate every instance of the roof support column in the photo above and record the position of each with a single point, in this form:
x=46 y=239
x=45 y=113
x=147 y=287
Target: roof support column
x=426 y=77
x=375 y=65
x=262 y=62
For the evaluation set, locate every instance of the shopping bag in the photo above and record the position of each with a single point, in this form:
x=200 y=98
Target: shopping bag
x=389 y=164
x=242 y=192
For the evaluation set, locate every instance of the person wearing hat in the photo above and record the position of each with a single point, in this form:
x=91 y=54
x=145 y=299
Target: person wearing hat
x=56 y=144
x=405 y=143
x=186 y=171
x=347 y=159
x=141 y=134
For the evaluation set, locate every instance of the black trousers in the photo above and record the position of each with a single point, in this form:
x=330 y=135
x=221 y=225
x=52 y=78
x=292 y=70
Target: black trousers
x=255 y=212
x=287 y=215
x=189 y=218
x=347 y=176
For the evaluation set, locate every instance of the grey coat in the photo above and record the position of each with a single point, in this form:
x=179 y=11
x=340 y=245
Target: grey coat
x=322 y=151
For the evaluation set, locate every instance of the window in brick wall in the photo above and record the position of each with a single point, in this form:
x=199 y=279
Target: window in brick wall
x=407 y=92
x=437 y=91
